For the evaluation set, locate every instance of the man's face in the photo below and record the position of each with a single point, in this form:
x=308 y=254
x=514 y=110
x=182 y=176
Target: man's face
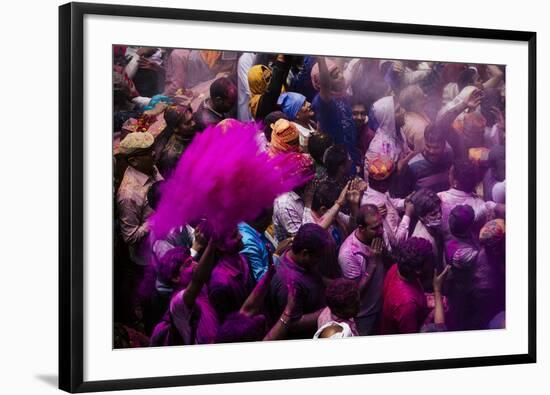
x=373 y=227
x=432 y=220
x=233 y=242
x=306 y=113
x=187 y=125
x=225 y=104
x=308 y=259
x=433 y=151
x=144 y=162
x=359 y=113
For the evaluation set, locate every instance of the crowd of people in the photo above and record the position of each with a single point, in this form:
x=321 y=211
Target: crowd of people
x=399 y=227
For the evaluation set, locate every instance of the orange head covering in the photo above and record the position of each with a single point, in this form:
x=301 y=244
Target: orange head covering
x=380 y=167
x=285 y=137
x=492 y=232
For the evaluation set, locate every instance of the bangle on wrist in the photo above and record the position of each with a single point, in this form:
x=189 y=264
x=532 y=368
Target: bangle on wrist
x=285 y=323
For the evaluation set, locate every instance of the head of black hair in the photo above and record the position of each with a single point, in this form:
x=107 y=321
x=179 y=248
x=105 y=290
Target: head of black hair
x=412 y=256
x=335 y=157
x=465 y=174
x=425 y=201
x=317 y=145
x=270 y=118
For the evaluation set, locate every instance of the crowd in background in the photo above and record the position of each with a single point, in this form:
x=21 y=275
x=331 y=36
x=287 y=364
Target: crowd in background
x=400 y=228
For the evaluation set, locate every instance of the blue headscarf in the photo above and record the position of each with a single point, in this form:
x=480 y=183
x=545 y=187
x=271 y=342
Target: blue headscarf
x=157 y=99
x=290 y=103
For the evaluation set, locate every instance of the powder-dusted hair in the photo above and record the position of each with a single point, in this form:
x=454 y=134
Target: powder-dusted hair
x=433 y=134
x=310 y=237
x=412 y=255
x=340 y=295
x=334 y=157
x=222 y=87
x=466 y=174
x=461 y=219
x=325 y=195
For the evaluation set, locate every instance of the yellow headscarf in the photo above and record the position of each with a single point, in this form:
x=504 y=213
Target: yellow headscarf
x=258 y=80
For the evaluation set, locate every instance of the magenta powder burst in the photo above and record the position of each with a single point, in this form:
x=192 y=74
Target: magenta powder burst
x=223 y=177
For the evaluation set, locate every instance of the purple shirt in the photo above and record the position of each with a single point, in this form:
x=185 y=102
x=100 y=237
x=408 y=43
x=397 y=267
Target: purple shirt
x=309 y=285
x=228 y=287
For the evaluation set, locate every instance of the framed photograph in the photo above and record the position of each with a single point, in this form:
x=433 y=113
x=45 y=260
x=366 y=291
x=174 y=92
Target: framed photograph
x=250 y=197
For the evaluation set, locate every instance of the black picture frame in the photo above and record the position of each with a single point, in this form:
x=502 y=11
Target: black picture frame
x=71 y=198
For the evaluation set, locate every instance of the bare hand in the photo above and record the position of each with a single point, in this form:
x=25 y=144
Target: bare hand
x=397 y=67
x=404 y=161
x=292 y=296
x=377 y=247
x=147 y=64
x=440 y=279
x=342 y=198
x=474 y=99
x=146 y=51
x=354 y=195
x=383 y=210
x=361 y=185
x=283 y=246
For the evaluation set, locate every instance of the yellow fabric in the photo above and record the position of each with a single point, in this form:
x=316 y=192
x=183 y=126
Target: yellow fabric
x=211 y=57
x=258 y=80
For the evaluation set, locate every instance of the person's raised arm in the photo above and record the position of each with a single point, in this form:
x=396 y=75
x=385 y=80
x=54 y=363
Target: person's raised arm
x=200 y=275
x=472 y=101
x=281 y=327
x=268 y=101
x=444 y=122
x=255 y=300
x=496 y=75
x=355 y=194
x=439 y=312
x=402 y=232
x=330 y=216
x=324 y=79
